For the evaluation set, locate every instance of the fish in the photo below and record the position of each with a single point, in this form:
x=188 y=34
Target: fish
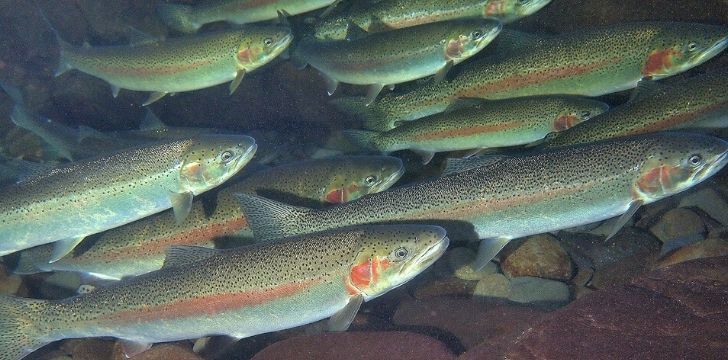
x=179 y=64
x=68 y=203
x=487 y=124
x=189 y=19
x=701 y=101
x=385 y=59
x=237 y=292
x=510 y=197
x=397 y=14
x=589 y=62
x=140 y=247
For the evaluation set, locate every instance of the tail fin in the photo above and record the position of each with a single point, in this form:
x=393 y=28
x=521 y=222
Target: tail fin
x=33 y=260
x=178 y=17
x=357 y=107
x=19 y=322
x=63 y=63
x=272 y=220
x=369 y=140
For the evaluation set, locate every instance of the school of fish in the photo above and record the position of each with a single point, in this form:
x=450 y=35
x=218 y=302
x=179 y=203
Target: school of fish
x=529 y=145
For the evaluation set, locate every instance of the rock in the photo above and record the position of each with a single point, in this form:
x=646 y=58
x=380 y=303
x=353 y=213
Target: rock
x=531 y=290
x=622 y=271
x=708 y=200
x=88 y=349
x=176 y=351
x=472 y=322
x=358 y=345
x=593 y=251
x=442 y=287
x=460 y=260
x=493 y=286
x=538 y=256
x=711 y=247
x=9 y=283
x=676 y=312
x=678 y=223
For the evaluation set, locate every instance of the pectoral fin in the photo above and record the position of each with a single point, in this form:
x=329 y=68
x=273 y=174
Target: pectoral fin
x=154 y=97
x=329 y=9
x=343 y=318
x=62 y=247
x=425 y=155
x=132 y=348
x=181 y=205
x=487 y=250
x=442 y=73
x=236 y=82
x=633 y=207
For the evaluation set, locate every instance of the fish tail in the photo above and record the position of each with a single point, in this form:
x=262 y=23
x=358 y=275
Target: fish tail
x=63 y=63
x=20 y=321
x=33 y=260
x=271 y=220
x=369 y=140
x=178 y=17
x=357 y=107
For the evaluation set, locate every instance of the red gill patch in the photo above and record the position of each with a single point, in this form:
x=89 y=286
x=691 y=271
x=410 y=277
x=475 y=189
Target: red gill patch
x=564 y=122
x=658 y=61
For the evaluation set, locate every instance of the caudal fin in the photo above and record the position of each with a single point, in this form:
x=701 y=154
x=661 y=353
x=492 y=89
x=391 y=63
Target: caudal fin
x=368 y=140
x=272 y=220
x=357 y=107
x=178 y=17
x=63 y=63
x=19 y=326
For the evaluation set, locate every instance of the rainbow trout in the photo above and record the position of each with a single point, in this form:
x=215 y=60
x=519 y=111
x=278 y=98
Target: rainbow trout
x=185 y=18
x=701 y=101
x=397 y=56
x=238 y=292
x=487 y=124
x=589 y=62
x=180 y=64
x=518 y=196
x=397 y=14
x=140 y=247
x=68 y=203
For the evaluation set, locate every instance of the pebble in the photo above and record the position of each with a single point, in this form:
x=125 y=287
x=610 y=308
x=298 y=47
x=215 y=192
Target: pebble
x=494 y=286
x=676 y=224
x=538 y=256
x=711 y=247
x=460 y=260
x=9 y=283
x=531 y=290
x=709 y=200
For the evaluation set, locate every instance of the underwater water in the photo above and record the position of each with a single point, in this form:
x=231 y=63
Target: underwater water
x=237 y=179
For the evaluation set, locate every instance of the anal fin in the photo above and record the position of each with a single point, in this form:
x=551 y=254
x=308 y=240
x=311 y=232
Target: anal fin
x=62 y=247
x=343 y=318
x=372 y=93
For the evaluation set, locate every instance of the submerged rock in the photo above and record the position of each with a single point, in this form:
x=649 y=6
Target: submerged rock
x=716 y=245
x=494 y=286
x=176 y=351
x=358 y=345
x=676 y=312
x=9 y=283
x=595 y=252
x=710 y=200
x=460 y=261
x=678 y=223
x=531 y=290
x=538 y=256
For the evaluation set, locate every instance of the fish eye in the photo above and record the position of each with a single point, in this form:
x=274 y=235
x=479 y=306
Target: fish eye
x=370 y=180
x=692 y=46
x=226 y=156
x=585 y=115
x=695 y=160
x=476 y=34
x=400 y=254
x=268 y=42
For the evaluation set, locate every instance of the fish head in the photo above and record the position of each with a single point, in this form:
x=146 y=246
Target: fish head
x=261 y=44
x=391 y=255
x=577 y=110
x=682 y=46
x=678 y=161
x=210 y=160
x=511 y=10
x=362 y=176
x=466 y=38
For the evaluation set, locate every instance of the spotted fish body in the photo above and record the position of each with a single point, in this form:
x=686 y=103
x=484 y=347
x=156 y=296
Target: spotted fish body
x=68 y=203
x=398 y=56
x=397 y=14
x=487 y=124
x=519 y=196
x=188 y=19
x=239 y=292
x=590 y=62
x=180 y=64
x=140 y=247
x=701 y=101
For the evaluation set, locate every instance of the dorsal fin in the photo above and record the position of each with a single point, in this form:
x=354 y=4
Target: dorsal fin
x=454 y=166
x=183 y=255
x=354 y=31
x=151 y=122
x=137 y=37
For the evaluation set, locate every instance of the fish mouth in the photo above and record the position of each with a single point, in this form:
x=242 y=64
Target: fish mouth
x=711 y=52
x=491 y=35
x=427 y=257
x=391 y=179
x=718 y=163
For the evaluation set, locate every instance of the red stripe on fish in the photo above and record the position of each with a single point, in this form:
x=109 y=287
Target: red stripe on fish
x=467 y=131
x=160 y=69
